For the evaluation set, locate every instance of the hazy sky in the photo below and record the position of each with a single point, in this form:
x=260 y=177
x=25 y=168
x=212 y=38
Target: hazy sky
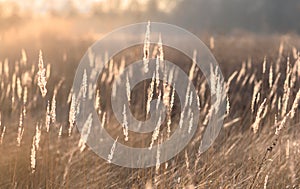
x=41 y=6
x=214 y=15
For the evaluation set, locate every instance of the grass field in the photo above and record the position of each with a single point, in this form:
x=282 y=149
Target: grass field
x=258 y=147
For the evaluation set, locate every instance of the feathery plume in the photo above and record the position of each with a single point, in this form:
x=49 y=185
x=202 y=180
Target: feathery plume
x=265 y=65
x=37 y=136
x=285 y=102
x=241 y=72
x=33 y=157
x=281 y=125
x=2 y=135
x=158 y=99
x=42 y=82
x=160 y=49
x=125 y=124
x=60 y=131
x=53 y=109
x=230 y=123
x=25 y=95
x=266 y=181
x=128 y=88
x=295 y=104
x=258 y=97
x=287 y=89
x=169 y=122
x=194 y=63
x=19 y=88
x=90 y=91
x=191 y=123
x=181 y=118
x=70 y=96
x=295 y=53
x=172 y=98
x=274 y=86
x=187 y=96
x=103 y=78
x=157 y=164
x=3 y=130
x=48 y=71
x=48 y=117
x=157 y=80
x=252 y=78
x=190 y=102
x=187 y=163
x=279 y=103
x=155 y=133
x=147 y=48
x=231 y=77
x=198 y=102
x=110 y=70
x=171 y=76
x=112 y=150
x=271 y=76
x=287 y=149
x=103 y=120
x=262 y=110
x=84 y=84
x=20 y=130
x=208 y=115
x=13 y=88
x=280 y=51
x=256 y=89
x=213 y=82
x=35 y=148
x=122 y=65
x=227 y=105
x=23 y=57
x=245 y=80
x=166 y=94
x=98 y=102
x=85 y=132
x=150 y=94
x=72 y=114
x=274 y=100
x=294 y=75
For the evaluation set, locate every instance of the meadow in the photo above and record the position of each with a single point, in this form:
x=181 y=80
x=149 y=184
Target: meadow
x=258 y=147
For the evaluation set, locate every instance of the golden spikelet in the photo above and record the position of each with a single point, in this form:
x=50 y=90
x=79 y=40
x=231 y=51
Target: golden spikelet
x=42 y=82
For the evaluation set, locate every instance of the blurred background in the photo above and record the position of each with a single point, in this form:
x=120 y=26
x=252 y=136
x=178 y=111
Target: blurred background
x=219 y=16
x=64 y=29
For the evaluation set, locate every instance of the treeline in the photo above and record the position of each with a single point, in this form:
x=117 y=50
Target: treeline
x=264 y=16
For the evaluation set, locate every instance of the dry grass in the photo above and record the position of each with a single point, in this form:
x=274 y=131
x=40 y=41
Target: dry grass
x=40 y=147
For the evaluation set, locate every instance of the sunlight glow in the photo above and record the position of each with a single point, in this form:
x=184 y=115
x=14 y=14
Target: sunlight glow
x=47 y=7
